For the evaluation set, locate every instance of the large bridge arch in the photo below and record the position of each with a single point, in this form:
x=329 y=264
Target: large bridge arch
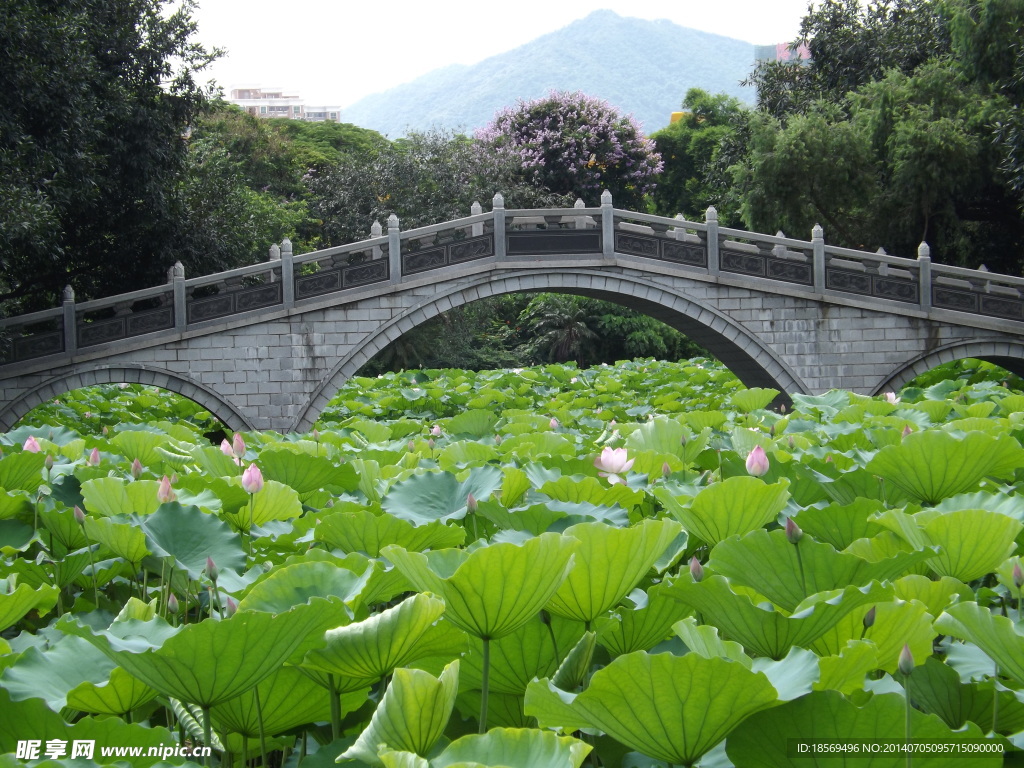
x=85 y=376
x=1008 y=354
x=753 y=361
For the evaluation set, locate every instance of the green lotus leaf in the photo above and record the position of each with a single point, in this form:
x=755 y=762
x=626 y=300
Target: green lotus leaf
x=14 y=503
x=16 y=601
x=610 y=562
x=732 y=507
x=935 y=595
x=297 y=583
x=668 y=436
x=643 y=627
x=847 y=671
x=573 y=670
x=276 y=501
x=936 y=688
x=125 y=540
x=933 y=465
x=22 y=471
x=703 y=640
x=536 y=518
x=971 y=542
x=764 y=739
x=363 y=531
x=532 y=445
x=372 y=648
x=673 y=708
x=112 y=496
x=305 y=473
x=504 y=710
x=495 y=589
x=119 y=694
x=506 y=748
x=792 y=676
x=590 y=490
x=209 y=662
x=841 y=524
x=139 y=444
x=475 y=422
x=788 y=574
x=897 y=623
x=15 y=536
x=534 y=650
x=753 y=399
x=995 y=635
x=214 y=463
x=188 y=536
x=514 y=484
x=49 y=674
x=766 y=631
x=701 y=420
x=456 y=456
x=32 y=719
x=439 y=496
x=63 y=527
x=195 y=489
x=411 y=717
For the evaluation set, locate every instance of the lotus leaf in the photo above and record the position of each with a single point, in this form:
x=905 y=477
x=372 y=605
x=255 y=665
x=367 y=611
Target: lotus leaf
x=643 y=627
x=188 y=536
x=501 y=748
x=734 y=506
x=995 y=635
x=936 y=688
x=364 y=531
x=16 y=601
x=305 y=473
x=118 y=695
x=22 y=471
x=439 y=496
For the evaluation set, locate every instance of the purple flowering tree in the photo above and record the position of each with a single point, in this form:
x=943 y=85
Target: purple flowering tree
x=577 y=145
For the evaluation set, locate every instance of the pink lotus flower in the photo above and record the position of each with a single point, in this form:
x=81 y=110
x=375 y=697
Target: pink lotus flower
x=165 y=493
x=32 y=445
x=136 y=469
x=225 y=447
x=890 y=397
x=613 y=462
x=238 y=446
x=436 y=430
x=252 y=479
x=1018 y=575
x=757 y=462
x=94 y=458
x=553 y=423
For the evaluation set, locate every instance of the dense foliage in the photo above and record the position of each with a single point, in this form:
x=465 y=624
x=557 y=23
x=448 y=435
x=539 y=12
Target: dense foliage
x=641 y=562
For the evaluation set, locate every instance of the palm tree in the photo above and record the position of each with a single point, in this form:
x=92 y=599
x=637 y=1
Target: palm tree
x=561 y=328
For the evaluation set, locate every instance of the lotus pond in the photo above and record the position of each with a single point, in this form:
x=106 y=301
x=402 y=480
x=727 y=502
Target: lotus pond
x=627 y=566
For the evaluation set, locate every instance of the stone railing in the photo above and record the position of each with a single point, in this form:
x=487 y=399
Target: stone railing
x=534 y=235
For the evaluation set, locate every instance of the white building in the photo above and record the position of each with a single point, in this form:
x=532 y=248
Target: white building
x=272 y=102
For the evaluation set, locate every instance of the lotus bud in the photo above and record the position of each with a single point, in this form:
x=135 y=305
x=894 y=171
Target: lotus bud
x=79 y=515
x=696 y=569
x=431 y=443
x=165 y=493
x=88 y=414
x=573 y=380
x=316 y=434
x=906 y=662
x=172 y=604
x=48 y=462
x=238 y=445
x=497 y=439
x=211 y=569
x=829 y=459
x=472 y=504
x=174 y=478
x=612 y=423
x=907 y=430
x=890 y=397
x=136 y=469
x=94 y=458
x=411 y=446
x=869 y=618
x=771 y=430
x=1018 y=575
x=230 y=608
x=32 y=445
x=666 y=470
x=757 y=462
x=225 y=448
x=782 y=408
x=106 y=431
x=793 y=531
x=553 y=423
x=436 y=430
x=252 y=479
x=791 y=443
x=545 y=617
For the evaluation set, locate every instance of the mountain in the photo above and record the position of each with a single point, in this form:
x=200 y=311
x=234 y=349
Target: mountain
x=640 y=67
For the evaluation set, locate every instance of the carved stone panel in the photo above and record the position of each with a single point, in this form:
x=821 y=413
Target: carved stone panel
x=100 y=331
x=790 y=271
x=421 y=261
x=38 y=345
x=149 y=322
x=742 y=263
x=468 y=250
x=961 y=301
x=897 y=290
x=636 y=245
x=210 y=308
x=318 y=283
x=695 y=255
x=259 y=296
x=363 y=274
x=543 y=242
x=845 y=280
x=1012 y=309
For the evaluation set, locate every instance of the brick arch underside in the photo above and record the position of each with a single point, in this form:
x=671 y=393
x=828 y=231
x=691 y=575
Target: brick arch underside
x=1008 y=354
x=83 y=376
x=753 y=362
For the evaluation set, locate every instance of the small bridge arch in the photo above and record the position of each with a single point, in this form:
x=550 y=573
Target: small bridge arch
x=997 y=350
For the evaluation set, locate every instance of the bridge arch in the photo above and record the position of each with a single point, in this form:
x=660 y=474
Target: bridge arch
x=1008 y=354
x=754 y=362
x=84 y=376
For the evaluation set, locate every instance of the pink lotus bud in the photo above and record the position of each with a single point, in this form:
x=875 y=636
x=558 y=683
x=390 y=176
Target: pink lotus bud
x=238 y=445
x=316 y=434
x=757 y=462
x=136 y=469
x=782 y=408
x=79 y=515
x=172 y=604
x=612 y=423
x=497 y=439
x=906 y=662
x=890 y=397
x=613 y=462
x=411 y=445
x=230 y=608
x=225 y=448
x=791 y=443
x=431 y=443
x=573 y=380
x=94 y=458
x=1018 y=575
x=165 y=493
x=553 y=423
x=48 y=462
x=907 y=430
x=793 y=531
x=829 y=459
x=471 y=503
x=869 y=618
x=436 y=430
x=174 y=478
x=252 y=479
x=32 y=445
x=666 y=470
x=211 y=569
x=106 y=431
x=696 y=569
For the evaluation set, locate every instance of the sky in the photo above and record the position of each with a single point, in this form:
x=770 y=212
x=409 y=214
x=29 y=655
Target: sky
x=335 y=52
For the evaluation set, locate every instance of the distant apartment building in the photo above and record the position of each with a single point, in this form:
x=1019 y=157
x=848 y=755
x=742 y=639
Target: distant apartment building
x=780 y=52
x=273 y=102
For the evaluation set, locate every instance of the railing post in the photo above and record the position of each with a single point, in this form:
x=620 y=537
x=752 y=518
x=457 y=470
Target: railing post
x=475 y=210
x=711 y=220
x=394 y=249
x=376 y=231
x=70 y=332
x=178 y=283
x=578 y=222
x=818 y=251
x=607 y=225
x=924 y=274
x=498 y=208
x=287 y=274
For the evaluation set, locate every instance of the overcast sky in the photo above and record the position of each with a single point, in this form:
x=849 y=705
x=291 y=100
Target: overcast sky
x=335 y=52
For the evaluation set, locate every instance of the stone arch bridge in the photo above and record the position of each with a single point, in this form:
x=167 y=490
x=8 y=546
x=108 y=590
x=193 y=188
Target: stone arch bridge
x=266 y=346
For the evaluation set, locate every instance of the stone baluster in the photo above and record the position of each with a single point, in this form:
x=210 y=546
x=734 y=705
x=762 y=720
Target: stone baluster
x=607 y=225
x=498 y=208
x=924 y=274
x=579 y=222
x=394 y=249
x=287 y=274
x=818 y=251
x=711 y=221
x=178 y=283
x=70 y=320
x=475 y=210
x=376 y=230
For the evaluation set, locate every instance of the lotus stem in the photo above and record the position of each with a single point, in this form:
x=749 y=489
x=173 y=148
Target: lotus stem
x=245 y=750
x=335 y=709
x=207 y=734
x=906 y=694
x=485 y=684
x=554 y=644
x=995 y=699
x=259 y=720
x=251 y=514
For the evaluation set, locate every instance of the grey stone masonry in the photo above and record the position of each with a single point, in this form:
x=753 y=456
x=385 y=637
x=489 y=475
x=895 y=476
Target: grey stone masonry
x=267 y=346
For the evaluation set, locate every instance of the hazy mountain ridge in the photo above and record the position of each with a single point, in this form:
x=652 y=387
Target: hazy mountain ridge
x=640 y=67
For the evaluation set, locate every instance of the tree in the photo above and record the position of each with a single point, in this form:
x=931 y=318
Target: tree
x=96 y=97
x=574 y=145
